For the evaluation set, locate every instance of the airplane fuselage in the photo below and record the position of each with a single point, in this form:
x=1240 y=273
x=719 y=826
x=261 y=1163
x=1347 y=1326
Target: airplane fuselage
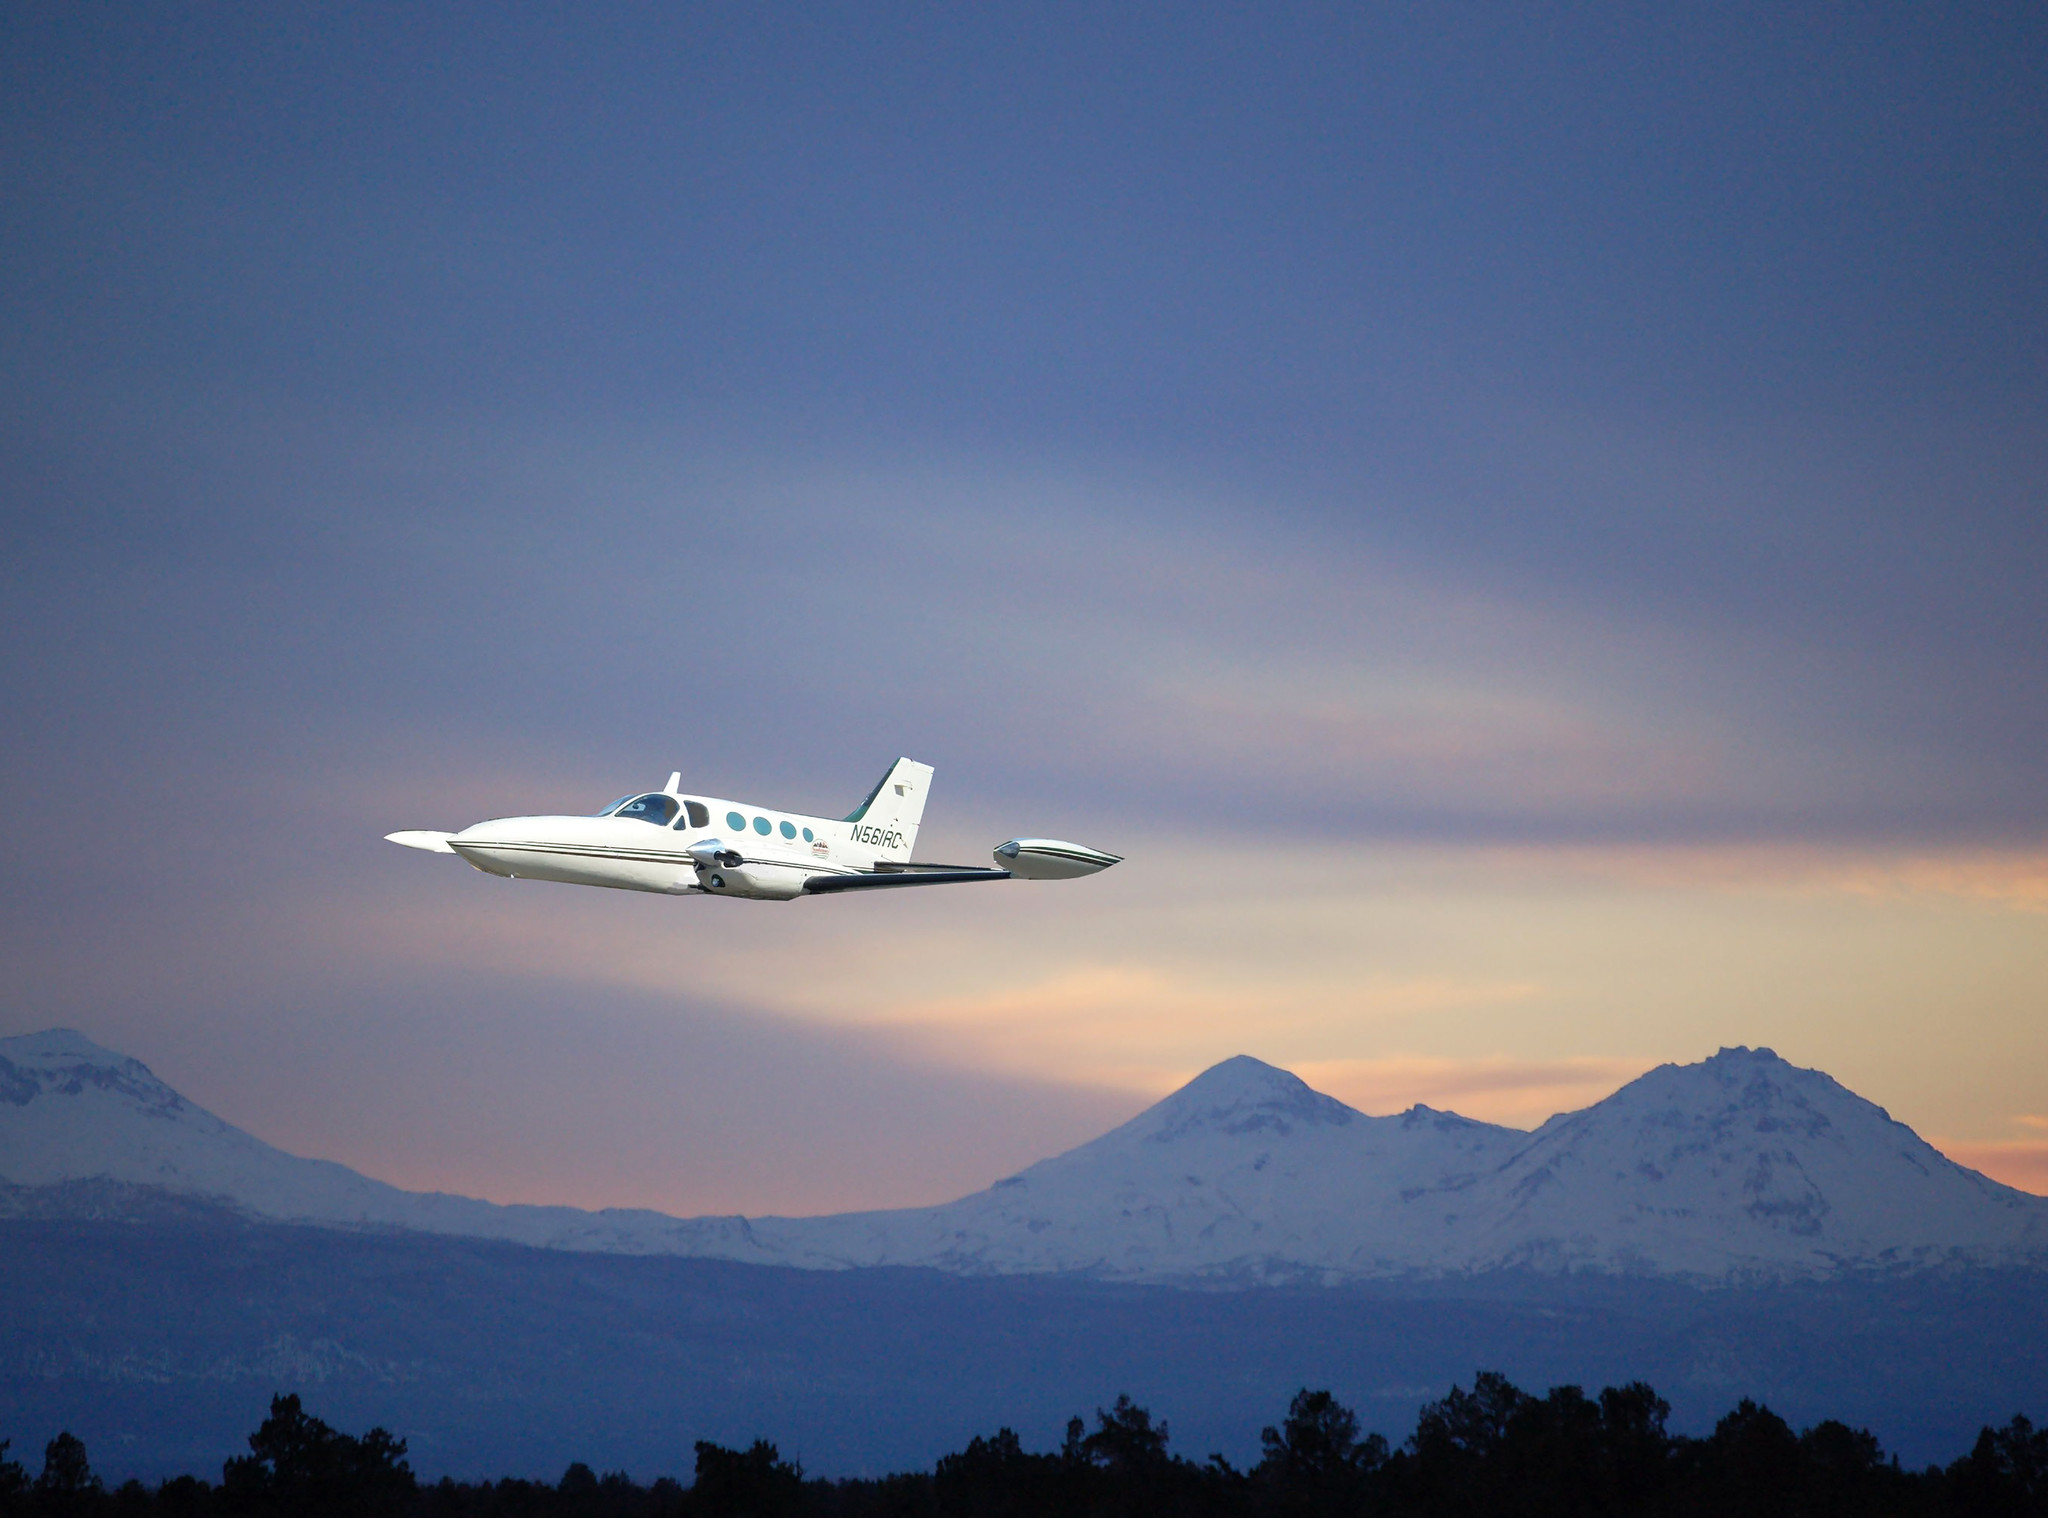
x=759 y=852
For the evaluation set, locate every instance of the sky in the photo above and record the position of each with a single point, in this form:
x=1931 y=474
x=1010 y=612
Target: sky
x=1525 y=525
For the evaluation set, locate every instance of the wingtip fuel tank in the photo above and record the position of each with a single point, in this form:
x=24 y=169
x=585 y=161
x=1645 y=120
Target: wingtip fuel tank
x=1052 y=859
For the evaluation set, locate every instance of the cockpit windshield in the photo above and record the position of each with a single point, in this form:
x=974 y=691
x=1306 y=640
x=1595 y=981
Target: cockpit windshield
x=654 y=807
x=611 y=806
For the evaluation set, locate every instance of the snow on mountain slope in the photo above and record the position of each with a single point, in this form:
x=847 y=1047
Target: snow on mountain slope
x=72 y=1111
x=1244 y=1172
x=1739 y=1167
x=1743 y=1164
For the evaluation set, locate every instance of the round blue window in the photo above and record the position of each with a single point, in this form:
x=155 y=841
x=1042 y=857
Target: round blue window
x=761 y=825
x=789 y=830
x=735 y=820
x=807 y=835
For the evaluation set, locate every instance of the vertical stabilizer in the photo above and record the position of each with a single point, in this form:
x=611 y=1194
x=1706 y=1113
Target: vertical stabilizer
x=888 y=819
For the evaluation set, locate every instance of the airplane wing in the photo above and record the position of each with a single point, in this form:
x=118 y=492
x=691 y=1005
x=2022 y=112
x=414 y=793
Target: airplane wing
x=901 y=875
x=1027 y=858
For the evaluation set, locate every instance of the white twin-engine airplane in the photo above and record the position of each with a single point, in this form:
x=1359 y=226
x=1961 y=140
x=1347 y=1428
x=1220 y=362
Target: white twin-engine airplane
x=681 y=845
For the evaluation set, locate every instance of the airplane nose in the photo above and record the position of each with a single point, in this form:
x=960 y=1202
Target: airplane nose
x=476 y=844
x=498 y=830
x=418 y=838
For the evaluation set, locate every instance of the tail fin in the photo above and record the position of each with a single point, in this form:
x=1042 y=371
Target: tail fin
x=888 y=819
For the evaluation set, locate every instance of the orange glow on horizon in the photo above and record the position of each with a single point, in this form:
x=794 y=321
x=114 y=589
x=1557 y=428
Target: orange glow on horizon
x=2019 y=1163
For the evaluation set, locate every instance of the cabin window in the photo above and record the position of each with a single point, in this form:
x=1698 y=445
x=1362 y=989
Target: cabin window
x=789 y=830
x=657 y=809
x=736 y=822
x=762 y=827
x=807 y=835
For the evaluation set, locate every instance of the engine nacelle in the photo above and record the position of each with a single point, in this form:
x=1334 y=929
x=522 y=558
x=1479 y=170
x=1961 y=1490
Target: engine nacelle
x=1052 y=859
x=726 y=872
x=756 y=881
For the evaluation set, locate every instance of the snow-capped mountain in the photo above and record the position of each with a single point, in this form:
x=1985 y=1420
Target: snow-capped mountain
x=1245 y=1171
x=1740 y=1166
x=71 y=1111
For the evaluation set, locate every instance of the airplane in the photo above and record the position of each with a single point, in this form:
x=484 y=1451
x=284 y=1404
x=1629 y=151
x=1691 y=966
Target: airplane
x=678 y=845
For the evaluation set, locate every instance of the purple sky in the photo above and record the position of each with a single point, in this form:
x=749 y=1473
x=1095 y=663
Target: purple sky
x=1529 y=530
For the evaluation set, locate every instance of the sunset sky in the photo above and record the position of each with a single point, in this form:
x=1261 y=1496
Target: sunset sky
x=1527 y=526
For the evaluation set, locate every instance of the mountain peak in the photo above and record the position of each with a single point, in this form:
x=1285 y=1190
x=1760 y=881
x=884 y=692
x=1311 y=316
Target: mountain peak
x=1243 y=1095
x=1735 y=1085
x=57 y=1043
x=1243 y=1073
x=1742 y=1054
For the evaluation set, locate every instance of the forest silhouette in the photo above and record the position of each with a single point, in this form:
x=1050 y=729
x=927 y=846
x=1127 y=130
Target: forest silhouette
x=1490 y=1450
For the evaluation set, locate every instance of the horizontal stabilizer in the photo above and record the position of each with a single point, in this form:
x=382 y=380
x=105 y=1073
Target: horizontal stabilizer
x=433 y=843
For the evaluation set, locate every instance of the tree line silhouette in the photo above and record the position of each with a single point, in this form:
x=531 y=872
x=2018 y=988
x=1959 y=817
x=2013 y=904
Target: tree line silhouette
x=1492 y=1450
